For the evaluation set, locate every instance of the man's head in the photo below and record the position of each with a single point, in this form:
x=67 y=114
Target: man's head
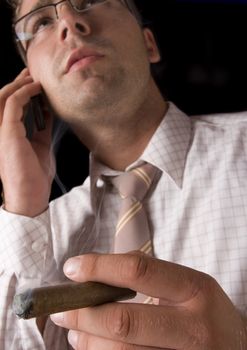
x=90 y=62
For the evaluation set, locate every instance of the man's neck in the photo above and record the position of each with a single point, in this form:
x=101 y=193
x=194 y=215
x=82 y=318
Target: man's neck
x=120 y=144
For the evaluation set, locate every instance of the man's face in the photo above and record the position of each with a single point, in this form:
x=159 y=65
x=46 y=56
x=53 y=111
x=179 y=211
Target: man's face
x=94 y=63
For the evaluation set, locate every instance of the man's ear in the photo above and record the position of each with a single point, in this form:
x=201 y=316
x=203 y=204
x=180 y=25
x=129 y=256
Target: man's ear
x=152 y=47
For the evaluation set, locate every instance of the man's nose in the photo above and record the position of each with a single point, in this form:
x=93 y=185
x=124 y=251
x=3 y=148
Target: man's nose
x=71 y=22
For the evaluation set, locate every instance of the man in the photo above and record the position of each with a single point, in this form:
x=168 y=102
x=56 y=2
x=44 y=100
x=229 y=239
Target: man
x=93 y=66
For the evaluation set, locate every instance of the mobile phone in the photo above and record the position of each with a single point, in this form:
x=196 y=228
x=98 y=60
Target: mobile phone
x=34 y=116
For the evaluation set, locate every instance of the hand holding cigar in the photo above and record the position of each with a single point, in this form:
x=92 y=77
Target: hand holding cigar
x=44 y=301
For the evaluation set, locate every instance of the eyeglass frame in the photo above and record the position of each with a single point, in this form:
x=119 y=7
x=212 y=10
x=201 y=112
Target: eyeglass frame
x=129 y=4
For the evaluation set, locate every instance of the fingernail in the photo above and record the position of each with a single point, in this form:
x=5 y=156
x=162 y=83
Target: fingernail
x=57 y=318
x=73 y=338
x=72 y=266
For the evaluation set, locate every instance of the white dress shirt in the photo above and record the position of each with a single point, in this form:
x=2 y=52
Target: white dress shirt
x=197 y=209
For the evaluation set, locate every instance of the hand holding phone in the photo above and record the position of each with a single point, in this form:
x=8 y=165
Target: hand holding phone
x=26 y=167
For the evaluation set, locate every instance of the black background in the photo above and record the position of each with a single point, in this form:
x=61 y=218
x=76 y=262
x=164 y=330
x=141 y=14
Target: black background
x=203 y=68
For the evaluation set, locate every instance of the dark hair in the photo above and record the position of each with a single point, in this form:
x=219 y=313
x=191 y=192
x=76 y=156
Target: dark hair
x=13 y=3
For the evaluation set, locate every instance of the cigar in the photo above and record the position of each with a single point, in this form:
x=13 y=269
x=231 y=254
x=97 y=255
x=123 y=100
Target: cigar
x=44 y=301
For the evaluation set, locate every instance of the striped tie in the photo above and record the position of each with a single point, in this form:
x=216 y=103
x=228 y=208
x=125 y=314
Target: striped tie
x=132 y=230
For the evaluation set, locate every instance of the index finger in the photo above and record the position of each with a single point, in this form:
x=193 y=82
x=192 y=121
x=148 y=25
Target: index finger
x=153 y=277
x=11 y=88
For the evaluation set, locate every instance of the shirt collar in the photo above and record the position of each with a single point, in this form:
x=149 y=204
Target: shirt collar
x=169 y=146
x=167 y=149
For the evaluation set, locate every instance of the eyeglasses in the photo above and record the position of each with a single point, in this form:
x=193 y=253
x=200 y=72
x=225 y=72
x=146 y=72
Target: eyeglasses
x=44 y=18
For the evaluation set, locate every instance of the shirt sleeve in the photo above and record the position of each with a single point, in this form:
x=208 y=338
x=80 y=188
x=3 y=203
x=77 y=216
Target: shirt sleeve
x=32 y=254
x=25 y=256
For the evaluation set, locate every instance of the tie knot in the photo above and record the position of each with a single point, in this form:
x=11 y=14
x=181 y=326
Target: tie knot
x=136 y=182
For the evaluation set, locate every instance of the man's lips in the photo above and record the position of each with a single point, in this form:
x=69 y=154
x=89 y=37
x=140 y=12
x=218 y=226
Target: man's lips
x=80 y=58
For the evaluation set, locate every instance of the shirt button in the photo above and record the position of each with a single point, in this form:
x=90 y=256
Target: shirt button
x=37 y=247
x=100 y=183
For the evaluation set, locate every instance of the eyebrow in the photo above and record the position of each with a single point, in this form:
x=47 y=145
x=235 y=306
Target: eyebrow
x=37 y=5
x=41 y=3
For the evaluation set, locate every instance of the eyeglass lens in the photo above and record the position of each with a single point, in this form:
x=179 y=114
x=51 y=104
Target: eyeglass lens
x=42 y=18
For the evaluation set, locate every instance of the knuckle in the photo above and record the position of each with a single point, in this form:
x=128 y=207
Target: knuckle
x=4 y=93
x=9 y=89
x=120 y=323
x=13 y=99
x=72 y=319
x=20 y=96
x=203 y=289
x=137 y=268
x=6 y=99
x=91 y=267
x=209 y=287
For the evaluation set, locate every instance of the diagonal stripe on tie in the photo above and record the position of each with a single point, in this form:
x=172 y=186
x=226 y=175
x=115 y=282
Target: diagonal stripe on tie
x=128 y=216
x=147 y=247
x=149 y=300
x=132 y=230
x=143 y=175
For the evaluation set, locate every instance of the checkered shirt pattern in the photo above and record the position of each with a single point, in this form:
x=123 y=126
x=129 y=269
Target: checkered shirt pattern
x=197 y=211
